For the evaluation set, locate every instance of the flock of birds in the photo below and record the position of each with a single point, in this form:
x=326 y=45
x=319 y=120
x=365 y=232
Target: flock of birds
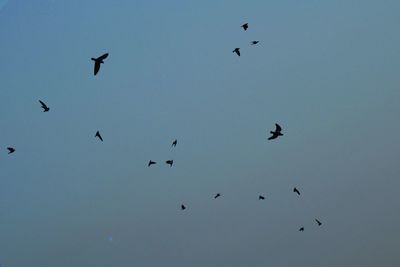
x=274 y=134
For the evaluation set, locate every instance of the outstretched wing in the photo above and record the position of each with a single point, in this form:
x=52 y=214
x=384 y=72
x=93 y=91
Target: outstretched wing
x=103 y=56
x=96 y=67
x=278 y=128
x=43 y=104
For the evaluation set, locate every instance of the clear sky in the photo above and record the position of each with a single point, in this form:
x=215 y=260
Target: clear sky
x=327 y=71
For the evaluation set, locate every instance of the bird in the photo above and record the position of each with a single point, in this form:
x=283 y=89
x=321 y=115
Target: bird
x=183 y=207
x=98 y=61
x=217 y=195
x=236 y=50
x=151 y=163
x=296 y=191
x=44 y=106
x=245 y=26
x=99 y=136
x=301 y=229
x=10 y=150
x=254 y=42
x=170 y=162
x=277 y=132
x=174 y=143
x=318 y=222
x=260 y=197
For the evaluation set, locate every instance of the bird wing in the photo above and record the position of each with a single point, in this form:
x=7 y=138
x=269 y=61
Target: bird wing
x=96 y=67
x=278 y=128
x=103 y=56
x=238 y=52
x=43 y=104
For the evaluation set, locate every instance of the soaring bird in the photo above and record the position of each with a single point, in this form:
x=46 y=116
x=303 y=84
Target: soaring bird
x=236 y=50
x=151 y=163
x=260 y=197
x=296 y=191
x=245 y=26
x=254 y=42
x=183 y=207
x=301 y=229
x=318 y=222
x=98 y=61
x=99 y=136
x=10 y=150
x=217 y=195
x=170 y=162
x=44 y=106
x=174 y=143
x=277 y=132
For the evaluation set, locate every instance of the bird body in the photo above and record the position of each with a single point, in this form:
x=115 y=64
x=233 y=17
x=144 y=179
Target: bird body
x=318 y=222
x=183 y=207
x=217 y=195
x=301 y=229
x=254 y=42
x=276 y=133
x=295 y=190
x=10 y=150
x=169 y=162
x=44 y=106
x=245 y=26
x=151 y=163
x=98 y=61
x=237 y=51
x=98 y=135
x=261 y=197
x=174 y=143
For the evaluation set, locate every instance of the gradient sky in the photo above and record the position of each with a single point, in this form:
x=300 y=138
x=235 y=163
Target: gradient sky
x=327 y=71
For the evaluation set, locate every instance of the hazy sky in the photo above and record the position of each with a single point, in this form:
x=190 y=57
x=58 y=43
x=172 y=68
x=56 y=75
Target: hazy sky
x=327 y=71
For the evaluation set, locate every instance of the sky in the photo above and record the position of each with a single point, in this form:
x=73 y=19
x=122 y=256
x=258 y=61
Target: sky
x=326 y=71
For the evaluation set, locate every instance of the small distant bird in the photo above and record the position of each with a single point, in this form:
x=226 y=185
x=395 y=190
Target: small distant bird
x=99 y=136
x=245 y=26
x=277 y=132
x=151 y=163
x=301 y=229
x=318 y=222
x=170 y=162
x=183 y=207
x=296 y=191
x=261 y=197
x=217 y=195
x=44 y=106
x=174 y=143
x=10 y=150
x=254 y=42
x=236 y=51
x=98 y=61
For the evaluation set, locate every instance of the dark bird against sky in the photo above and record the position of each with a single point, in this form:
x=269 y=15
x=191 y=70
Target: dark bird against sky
x=236 y=50
x=183 y=207
x=217 y=195
x=260 y=197
x=296 y=191
x=174 y=143
x=10 y=150
x=151 y=163
x=277 y=132
x=318 y=222
x=44 y=106
x=254 y=42
x=301 y=229
x=170 y=162
x=98 y=61
x=99 y=136
x=245 y=26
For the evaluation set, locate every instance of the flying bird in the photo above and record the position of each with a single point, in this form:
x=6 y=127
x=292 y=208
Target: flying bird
x=318 y=222
x=170 y=162
x=151 y=163
x=236 y=51
x=10 y=150
x=261 y=197
x=245 y=26
x=44 y=106
x=301 y=229
x=174 y=143
x=183 y=207
x=217 y=195
x=296 y=191
x=99 y=136
x=254 y=42
x=98 y=61
x=277 y=132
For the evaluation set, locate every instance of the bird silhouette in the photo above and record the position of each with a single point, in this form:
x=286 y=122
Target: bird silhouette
x=44 y=106
x=170 y=162
x=301 y=229
x=296 y=191
x=254 y=42
x=183 y=207
x=99 y=136
x=10 y=150
x=151 y=163
x=236 y=50
x=260 y=197
x=217 y=195
x=318 y=222
x=174 y=143
x=245 y=26
x=277 y=132
x=98 y=61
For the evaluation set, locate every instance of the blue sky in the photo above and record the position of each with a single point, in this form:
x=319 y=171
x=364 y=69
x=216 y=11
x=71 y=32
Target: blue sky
x=327 y=71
